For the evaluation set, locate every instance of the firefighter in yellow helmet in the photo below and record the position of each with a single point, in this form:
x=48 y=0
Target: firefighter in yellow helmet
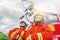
x=39 y=31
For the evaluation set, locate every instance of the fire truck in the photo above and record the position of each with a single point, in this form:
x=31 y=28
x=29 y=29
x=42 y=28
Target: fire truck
x=54 y=19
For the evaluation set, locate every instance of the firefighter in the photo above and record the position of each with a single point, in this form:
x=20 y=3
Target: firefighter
x=39 y=31
x=17 y=33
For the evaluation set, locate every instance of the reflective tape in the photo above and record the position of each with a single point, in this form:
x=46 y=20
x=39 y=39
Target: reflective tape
x=14 y=33
x=52 y=27
x=22 y=33
x=20 y=36
x=29 y=37
x=40 y=36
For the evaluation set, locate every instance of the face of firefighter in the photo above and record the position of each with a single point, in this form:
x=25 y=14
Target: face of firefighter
x=38 y=18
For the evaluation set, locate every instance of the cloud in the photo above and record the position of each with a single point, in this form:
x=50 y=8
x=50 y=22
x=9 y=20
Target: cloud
x=8 y=28
x=48 y=6
x=3 y=26
x=1 y=18
x=7 y=21
x=10 y=10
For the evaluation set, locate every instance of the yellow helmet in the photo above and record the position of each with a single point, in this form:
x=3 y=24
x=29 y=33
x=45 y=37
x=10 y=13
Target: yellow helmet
x=38 y=17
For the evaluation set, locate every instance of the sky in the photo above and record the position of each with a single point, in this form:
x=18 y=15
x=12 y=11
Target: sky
x=12 y=10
